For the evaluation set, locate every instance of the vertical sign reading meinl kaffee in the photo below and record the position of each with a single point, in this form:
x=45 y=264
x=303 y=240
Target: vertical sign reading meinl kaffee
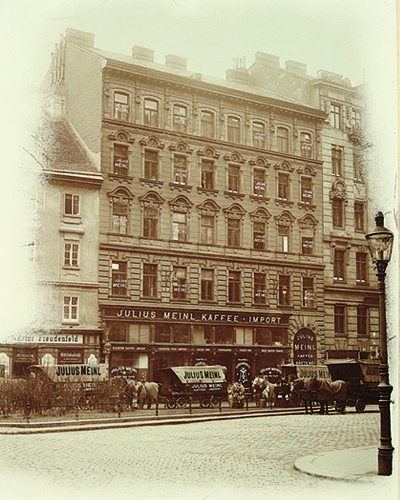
x=305 y=347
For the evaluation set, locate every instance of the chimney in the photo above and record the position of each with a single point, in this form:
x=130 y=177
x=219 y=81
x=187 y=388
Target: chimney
x=175 y=62
x=267 y=59
x=82 y=38
x=296 y=67
x=237 y=75
x=142 y=54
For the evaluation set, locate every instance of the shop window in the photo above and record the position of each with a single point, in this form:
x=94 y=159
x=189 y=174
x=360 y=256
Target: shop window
x=284 y=290
x=179 y=226
x=335 y=116
x=307 y=245
x=207 y=229
x=117 y=332
x=150 y=165
x=259 y=137
x=179 y=283
x=119 y=278
x=306 y=190
x=71 y=253
x=339 y=265
x=121 y=161
x=308 y=292
x=259 y=184
x=233 y=232
x=260 y=288
x=337 y=213
x=337 y=160
x=283 y=186
x=121 y=107
x=361 y=267
x=263 y=336
x=207 y=174
x=180 y=119
x=234 y=294
x=150 y=278
x=207 y=284
x=233 y=179
x=151 y=112
x=283 y=140
x=362 y=330
x=359 y=216
x=259 y=235
x=181 y=334
x=70 y=312
x=180 y=170
x=202 y=334
x=283 y=238
x=340 y=320
x=207 y=124
x=305 y=145
x=119 y=218
x=150 y=222
x=224 y=334
x=233 y=129
x=71 y=204
x=162 y=333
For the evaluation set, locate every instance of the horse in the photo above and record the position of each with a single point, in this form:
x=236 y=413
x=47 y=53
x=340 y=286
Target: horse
x=326 y=390
x=264 y=389
x=236 y=394
x=300 y=390
x=146 y=392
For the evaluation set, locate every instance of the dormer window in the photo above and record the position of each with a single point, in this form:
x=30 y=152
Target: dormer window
x=121 y=106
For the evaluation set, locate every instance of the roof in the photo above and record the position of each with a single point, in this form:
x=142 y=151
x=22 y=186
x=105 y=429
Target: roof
x=58 y=148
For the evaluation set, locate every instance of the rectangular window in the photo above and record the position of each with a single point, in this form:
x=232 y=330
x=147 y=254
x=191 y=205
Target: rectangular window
x=362 y=329
x=233 y=232
x=150 y=222
x=207 y=229
x=340 y=320
x=259 y=184
x=260 y=288
x=151 y=112
x=337 y=159
x=337 y=213
x=335 y=116
x=308 y=292
x=283 y=186
x=121 y=161
x=234 y=286
x=117 y=332
x=71 y=254
x=180 y=119
x=306 y=190
x=179 y=285
x=71 y=204
x=121 y=107
x=181 y=334
x=359 y=216
x=119 y=278
x=207 y=124
x=179 y=226
x=358 y=166
x=150 y=280
x=180 y=170
x=283 y=238
x=259 y=138
x=361 y=267
x=207 y=284
x=224 y=334
x=70 y=308
x=284 y=290
x=259 y=239
x=305 y=145
x=283 y=140
x=233 y=129
x=150 y=165
x=120 y=218
x=207 y=174
x=339 y=265
x=307 y=245
x=233 y=179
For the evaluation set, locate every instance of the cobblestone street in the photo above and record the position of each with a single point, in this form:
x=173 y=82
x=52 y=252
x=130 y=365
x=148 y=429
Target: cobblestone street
x=250 y=457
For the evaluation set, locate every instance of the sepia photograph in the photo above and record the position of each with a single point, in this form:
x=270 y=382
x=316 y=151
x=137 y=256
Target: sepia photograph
x=199 y=273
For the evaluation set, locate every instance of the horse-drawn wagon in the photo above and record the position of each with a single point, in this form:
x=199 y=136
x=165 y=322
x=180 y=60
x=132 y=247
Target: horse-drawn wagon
x=180 y=385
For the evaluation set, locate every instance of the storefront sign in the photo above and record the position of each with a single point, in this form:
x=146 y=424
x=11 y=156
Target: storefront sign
x=76 y=373
x=44 y=338
x=320 y=371
x=305 y=347
x=70 y=356
x=24 y=356
x=199 y=374
x=196 y=316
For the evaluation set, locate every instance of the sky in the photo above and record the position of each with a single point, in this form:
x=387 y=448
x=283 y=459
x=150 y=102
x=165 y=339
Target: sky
x=355 y=38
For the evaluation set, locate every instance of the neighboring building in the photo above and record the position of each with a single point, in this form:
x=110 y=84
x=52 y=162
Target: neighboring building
x=65 y=255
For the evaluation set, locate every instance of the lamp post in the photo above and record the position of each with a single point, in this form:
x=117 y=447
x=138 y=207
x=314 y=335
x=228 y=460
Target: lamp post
x=380 y=243
x=107 y=351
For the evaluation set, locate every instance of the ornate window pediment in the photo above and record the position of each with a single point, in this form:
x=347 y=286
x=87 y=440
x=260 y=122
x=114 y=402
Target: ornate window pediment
x=285 y=166
x=285 y=218
x=209 y=207
x=235 y=211
x=152 y=142
x=307 y=170
x=209 y=152
x=181 y=147
x=121 y=195
x=234 y=157
x=308 y=222
x=260 y=215
x=151 y=198
x=338 y=190
x=181 y=204
x=259 y=162
x=121 y=136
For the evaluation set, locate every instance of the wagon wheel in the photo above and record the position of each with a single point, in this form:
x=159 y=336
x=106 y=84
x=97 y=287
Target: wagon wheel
x=181 y=402
x=340 y=406
x=205 y=402
x=215 y=401
x=170 y=403
x=360 y=405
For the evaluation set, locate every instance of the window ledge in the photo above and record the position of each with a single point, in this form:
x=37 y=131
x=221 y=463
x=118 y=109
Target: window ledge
x=120 y=178
x=71 y=268
x=307 y=206
x=234 y=195
x=210 y=302
x=341 y=335
x=259 y=199
x=150 y=299
x=180 y=187
x=71 y=322
x=208 y=191
x=285 y=203
x=151 y=182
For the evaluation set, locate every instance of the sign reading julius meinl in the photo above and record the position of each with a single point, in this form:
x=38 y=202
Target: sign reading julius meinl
x=75 y=373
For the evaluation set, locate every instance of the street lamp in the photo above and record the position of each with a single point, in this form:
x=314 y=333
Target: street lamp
x=107 y=351
x=380 y=243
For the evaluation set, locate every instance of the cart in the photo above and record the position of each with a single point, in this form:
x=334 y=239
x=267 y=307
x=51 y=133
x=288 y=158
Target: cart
x=182 y=385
